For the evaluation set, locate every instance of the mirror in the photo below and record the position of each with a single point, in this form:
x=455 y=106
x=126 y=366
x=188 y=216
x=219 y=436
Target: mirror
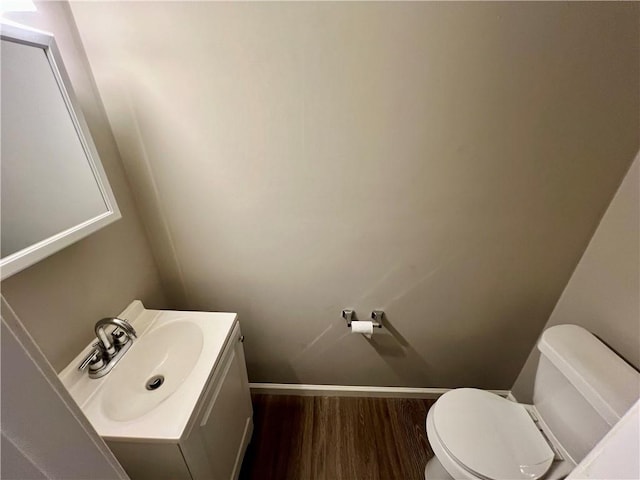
x=53 y=188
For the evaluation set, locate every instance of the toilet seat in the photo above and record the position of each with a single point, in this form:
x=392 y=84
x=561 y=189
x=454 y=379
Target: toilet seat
x=487 y=436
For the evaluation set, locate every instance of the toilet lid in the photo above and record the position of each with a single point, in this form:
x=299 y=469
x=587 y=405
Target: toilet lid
x=490 y=436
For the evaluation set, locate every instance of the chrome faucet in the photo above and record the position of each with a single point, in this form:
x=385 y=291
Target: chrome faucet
x=109 y=348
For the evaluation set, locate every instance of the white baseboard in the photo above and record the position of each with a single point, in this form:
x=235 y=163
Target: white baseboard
x=352 y=391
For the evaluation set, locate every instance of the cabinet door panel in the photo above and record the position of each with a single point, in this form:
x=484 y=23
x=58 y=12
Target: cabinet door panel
x=216 y=444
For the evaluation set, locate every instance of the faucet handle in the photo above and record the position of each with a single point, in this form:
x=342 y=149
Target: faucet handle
x=130 y=331
x=93 y=356
x=120 y=337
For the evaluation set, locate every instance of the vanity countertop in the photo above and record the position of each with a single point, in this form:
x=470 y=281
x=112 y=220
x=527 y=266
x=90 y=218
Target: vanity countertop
x=169 y=415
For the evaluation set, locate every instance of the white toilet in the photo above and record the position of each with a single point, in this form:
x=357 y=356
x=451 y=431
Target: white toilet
x=582 y=388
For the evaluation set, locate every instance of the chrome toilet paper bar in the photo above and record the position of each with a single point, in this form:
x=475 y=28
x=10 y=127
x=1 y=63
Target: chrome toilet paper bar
x=376 y=317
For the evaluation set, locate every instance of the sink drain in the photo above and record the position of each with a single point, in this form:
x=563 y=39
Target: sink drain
x=155 y=382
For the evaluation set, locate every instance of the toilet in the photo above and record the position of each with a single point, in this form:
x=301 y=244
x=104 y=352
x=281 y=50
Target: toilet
x=582 y=388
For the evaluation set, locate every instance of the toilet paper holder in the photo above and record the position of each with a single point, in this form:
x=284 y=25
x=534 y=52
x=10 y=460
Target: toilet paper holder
x=376 y=317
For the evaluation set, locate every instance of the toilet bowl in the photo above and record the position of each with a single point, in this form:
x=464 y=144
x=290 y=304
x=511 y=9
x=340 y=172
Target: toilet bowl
x=478 y=435
x=581 y=389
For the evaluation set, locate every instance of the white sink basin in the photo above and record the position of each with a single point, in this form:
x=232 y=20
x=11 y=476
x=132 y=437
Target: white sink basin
x=181 y=348
x=167 y=353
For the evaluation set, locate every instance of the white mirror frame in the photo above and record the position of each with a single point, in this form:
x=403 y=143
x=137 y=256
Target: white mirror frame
x=28 y=256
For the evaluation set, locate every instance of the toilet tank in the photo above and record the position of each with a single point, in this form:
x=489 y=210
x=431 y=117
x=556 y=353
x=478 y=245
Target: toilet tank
x=582 y=388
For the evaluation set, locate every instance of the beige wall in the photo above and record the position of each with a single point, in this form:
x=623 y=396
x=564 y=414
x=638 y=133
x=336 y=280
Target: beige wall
x=447 y=162
x=60 y=299
x=603 y=294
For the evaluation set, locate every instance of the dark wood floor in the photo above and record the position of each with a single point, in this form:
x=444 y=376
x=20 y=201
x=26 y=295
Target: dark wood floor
x=333 y=438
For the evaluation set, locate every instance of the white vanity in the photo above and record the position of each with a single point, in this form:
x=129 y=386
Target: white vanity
x=177 y=406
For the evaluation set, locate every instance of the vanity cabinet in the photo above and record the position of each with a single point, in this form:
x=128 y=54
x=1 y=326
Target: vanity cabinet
x=216 y=436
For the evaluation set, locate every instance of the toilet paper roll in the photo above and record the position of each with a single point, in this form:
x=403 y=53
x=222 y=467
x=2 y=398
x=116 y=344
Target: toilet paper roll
x=365 y=328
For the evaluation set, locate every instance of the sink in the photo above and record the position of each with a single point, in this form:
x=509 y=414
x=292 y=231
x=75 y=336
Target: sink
x=152 y=371
x=177 y=404
x=152 y=392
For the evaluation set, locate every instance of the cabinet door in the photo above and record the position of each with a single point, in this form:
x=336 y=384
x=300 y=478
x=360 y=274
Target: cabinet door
x=216 y=445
